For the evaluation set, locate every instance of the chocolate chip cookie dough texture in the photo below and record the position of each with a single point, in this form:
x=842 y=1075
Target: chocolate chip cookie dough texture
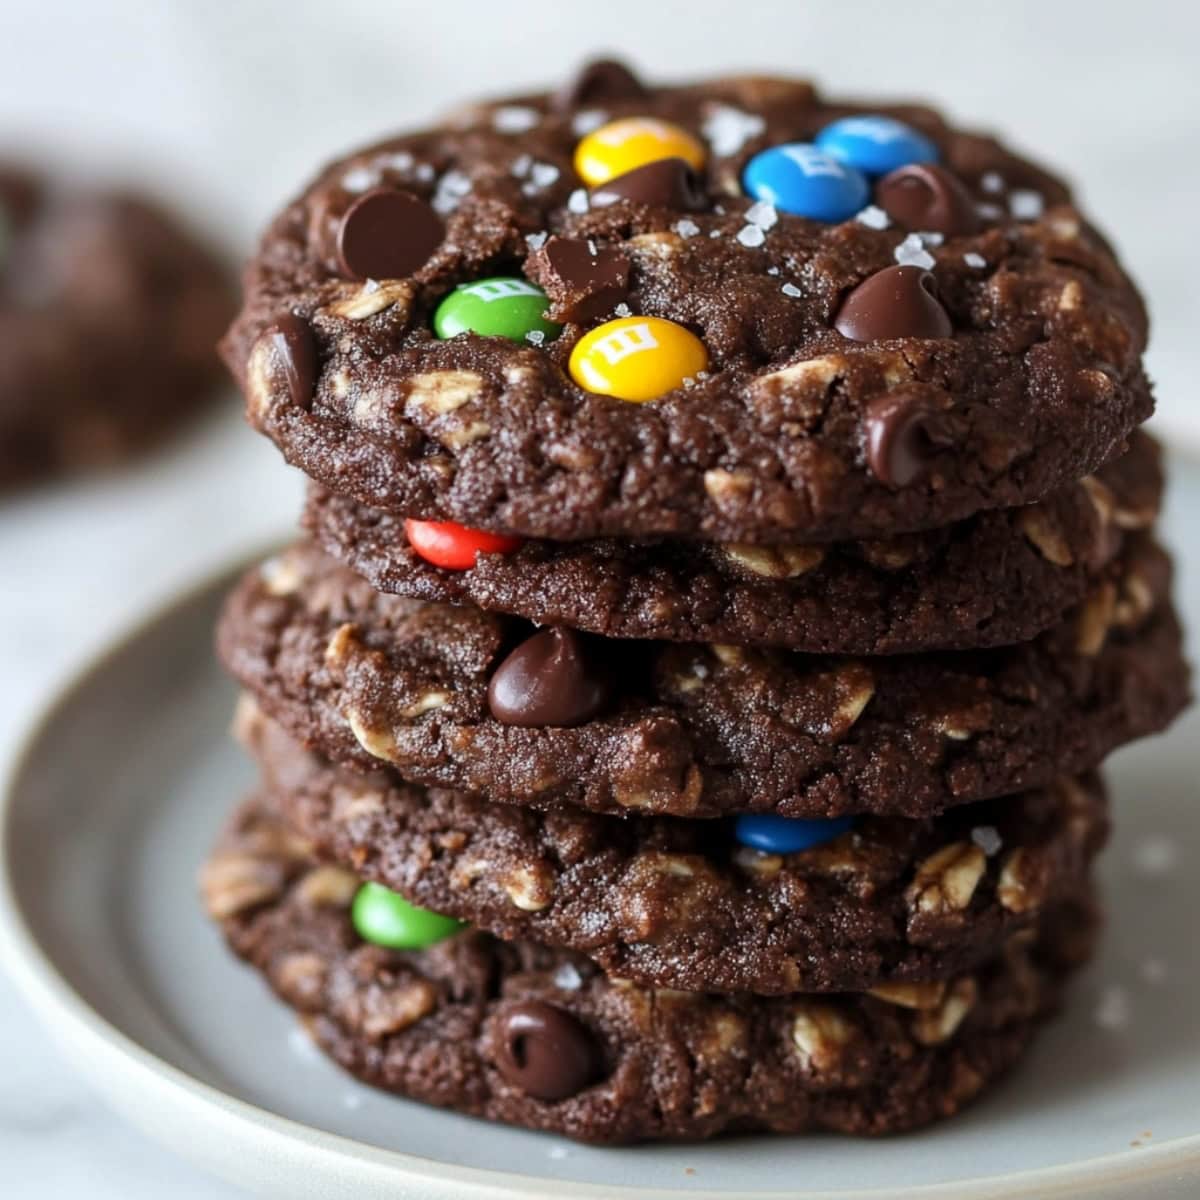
x=109 y=314
x=728 y=559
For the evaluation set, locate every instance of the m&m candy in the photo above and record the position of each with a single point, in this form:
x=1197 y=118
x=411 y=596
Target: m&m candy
x=787 y=835
x=803 y=180
x=622 y=146
x=875 y=145
x=636 y=358
x=385 y=918
x=504 y=306
x=452 y=546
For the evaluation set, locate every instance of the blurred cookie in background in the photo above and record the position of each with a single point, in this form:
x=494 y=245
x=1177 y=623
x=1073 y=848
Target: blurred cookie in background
x=109 y=311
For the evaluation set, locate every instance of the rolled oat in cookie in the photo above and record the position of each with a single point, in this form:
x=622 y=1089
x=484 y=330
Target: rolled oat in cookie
x=713 y=906
x=704 y=729
x=521 y=1033
x=715 y=311
x=996 y=578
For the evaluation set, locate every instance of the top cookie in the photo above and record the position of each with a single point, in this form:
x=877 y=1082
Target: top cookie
x=823 y=327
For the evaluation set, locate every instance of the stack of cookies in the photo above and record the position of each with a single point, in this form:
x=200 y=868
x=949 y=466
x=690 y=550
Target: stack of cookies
x=727 y=562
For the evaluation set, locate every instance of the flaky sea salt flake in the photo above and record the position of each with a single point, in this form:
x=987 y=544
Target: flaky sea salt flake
x=1026 y=204
x=359 y=178
x=912 y=253
x=535 y=241
x=543 y=174
x=577 y=201
x=790 y=289
x=582 y=123
x=536 y=337
x=728 y=129
x=762 y=213
x=751 y=235
x=686 y=228
x=515 y=118
x=873 y=217
x=975 y=260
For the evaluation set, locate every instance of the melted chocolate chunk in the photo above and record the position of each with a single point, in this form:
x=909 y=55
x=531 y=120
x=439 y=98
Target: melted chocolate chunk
x=387 y=234
x=295 y=350
x=584 y=281
x=896 y=302
x=664 y=183
x=928 y=197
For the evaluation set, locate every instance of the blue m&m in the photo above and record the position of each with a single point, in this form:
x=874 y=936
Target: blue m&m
x=803 y=180
x=875 y=145
x=787 y=835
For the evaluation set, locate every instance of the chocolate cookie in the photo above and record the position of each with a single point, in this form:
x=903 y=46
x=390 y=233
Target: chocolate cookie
x=422 y=326
x=520 y=1033
x=996 y=578
x=696 y=904
x=456 y=697
x=109 y=314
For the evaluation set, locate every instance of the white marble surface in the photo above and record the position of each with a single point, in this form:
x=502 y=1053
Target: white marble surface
x=227 y=107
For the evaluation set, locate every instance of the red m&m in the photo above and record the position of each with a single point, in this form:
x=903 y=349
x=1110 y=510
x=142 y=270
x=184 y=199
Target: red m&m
x=452 y=546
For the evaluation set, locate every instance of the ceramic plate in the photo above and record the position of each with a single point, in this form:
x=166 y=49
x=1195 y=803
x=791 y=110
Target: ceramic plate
x=125 y=782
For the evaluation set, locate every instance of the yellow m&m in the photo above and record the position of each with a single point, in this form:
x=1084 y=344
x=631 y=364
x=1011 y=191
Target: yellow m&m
x=636 y=358
x=632 y=142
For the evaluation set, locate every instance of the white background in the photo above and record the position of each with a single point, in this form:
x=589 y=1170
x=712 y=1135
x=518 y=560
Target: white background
x=226 y=108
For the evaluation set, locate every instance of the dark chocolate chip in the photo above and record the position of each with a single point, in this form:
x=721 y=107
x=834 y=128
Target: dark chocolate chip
x=896 y=302
x=548 y=680
x=603 y=79
x=295 y=351
x=584 y=281
x=544 y=1051
x=665 y=183
x=387 y=234
x=905 y=431
x=927 y=197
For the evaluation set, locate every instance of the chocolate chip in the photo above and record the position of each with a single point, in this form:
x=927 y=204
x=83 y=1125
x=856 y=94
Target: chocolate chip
x=544 y=1051
x=665 y=183
x=927 y=197
x=905 y=431
x=295 y=351
x=548 y=680
x=603 y=79
x=387 y=234
x=584 y=281
x=896 y=302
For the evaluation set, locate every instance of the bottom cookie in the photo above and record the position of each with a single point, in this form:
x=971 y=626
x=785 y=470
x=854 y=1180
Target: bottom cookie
x=519 y=1033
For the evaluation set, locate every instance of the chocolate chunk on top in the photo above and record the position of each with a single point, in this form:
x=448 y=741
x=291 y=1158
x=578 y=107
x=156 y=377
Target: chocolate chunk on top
x=583 y=280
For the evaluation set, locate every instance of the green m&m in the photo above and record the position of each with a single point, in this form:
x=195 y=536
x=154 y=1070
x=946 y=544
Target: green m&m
x=504 y=306
x=386 y=919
